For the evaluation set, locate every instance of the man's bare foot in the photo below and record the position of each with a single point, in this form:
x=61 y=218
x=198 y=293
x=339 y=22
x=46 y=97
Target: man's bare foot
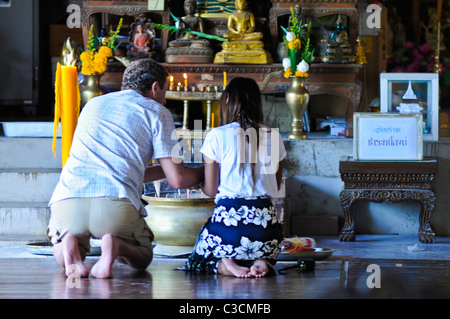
x=110 y=251
x=230 y=268
x=260 y=268
x=72 y=256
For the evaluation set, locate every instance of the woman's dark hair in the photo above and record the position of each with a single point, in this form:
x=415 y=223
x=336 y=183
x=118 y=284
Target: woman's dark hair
x=141 y=74
x=241 y=103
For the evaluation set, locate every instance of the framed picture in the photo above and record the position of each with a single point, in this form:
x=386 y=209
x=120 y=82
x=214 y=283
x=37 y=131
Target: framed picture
x=387 y=136
x=407 y=93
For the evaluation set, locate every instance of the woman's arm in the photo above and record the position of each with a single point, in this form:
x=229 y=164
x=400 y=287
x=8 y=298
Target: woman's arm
x=279 y=174
x=212 y=177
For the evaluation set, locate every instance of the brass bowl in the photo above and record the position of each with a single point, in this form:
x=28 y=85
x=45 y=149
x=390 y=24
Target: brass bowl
x=177 y=221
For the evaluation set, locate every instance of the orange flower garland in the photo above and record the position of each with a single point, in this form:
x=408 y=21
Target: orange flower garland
x=94 y=61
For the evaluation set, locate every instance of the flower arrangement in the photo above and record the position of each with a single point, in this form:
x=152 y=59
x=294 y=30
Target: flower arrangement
x=298 y=48
x=95 y=57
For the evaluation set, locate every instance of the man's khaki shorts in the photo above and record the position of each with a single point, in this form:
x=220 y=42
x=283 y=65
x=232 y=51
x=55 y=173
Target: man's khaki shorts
x=96 y=217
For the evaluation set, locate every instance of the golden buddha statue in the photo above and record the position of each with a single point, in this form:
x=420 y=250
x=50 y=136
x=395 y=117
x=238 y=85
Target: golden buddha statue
x=244 y=43
x=187 y=47
x=339 y=49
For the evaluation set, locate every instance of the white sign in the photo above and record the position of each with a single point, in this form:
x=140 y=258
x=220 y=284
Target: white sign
x=156 y=5
x=387 y=136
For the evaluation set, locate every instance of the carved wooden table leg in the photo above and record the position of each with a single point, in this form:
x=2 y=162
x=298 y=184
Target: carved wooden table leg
x=426 y=233
x=346 y=199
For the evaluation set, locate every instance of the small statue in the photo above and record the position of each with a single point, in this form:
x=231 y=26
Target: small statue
x=142 y=41
x=244 y=45
x=141 y=37
x=360 y=54
x=241 y=24
x=339 y=49
x=187 y=47
x=300 y=17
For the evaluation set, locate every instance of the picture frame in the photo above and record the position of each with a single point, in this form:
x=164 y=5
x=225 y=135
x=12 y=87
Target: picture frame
x=412 y=92
x=387 y=136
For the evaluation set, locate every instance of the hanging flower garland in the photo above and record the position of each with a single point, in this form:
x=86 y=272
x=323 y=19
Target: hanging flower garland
x=95 y=58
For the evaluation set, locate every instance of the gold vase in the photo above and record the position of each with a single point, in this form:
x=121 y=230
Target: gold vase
x=297 y=99
x=90 y=88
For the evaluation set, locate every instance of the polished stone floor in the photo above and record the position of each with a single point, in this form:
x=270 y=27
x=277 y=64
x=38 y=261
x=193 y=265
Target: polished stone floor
x=406 y=269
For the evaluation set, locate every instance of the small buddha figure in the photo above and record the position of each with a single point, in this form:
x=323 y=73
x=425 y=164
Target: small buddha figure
x=300 y=16
x=339 y=49
x=241 y=24
x=187 y=47
x=141 y=39
x=244 y=43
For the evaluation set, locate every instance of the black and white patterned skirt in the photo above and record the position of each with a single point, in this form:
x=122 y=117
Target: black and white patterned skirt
x=241 y=228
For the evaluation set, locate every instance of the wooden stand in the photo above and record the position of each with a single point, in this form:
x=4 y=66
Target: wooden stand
x=388 y=181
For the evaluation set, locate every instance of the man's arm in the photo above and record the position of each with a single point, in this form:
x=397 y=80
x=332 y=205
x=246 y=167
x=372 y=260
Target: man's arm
x=153 y=173
x=179 y=175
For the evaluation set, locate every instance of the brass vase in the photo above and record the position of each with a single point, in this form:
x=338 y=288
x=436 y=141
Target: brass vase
x=177 y=221
x=297 y=99
x=90 y=88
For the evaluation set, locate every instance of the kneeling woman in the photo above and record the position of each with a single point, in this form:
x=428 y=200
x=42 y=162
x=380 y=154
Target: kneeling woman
x=243 y=170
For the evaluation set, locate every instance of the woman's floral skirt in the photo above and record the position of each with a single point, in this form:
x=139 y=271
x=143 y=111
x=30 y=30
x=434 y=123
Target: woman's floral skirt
x=242 y=229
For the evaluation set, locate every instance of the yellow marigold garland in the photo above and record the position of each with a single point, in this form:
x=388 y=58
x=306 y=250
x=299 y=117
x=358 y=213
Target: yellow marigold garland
x=93 y=62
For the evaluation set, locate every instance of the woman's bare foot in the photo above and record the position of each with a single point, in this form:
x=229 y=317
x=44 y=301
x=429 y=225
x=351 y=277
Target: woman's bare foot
x=110 y=251
x=260 y=268
x=230 y=268
x=72 y=256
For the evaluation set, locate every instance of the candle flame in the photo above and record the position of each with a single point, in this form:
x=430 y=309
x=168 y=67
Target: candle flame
x=68 y=55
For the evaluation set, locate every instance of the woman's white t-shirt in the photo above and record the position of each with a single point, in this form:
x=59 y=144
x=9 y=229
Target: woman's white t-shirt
x=228 y=146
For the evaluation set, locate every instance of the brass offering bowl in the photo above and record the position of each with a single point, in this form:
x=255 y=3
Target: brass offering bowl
x=176 y=220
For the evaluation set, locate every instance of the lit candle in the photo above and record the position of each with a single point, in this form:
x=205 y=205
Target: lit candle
x=224 y=79
x=171 y=82
x=185 y=80
x=439 y=10
x=179 y=86
x=67 y=107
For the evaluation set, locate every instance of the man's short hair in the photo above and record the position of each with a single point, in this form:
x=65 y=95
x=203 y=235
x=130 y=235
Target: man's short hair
x=140 y=75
